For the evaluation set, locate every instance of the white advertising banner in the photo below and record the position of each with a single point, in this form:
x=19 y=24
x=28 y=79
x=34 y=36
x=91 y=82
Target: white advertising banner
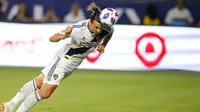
x=131 y=47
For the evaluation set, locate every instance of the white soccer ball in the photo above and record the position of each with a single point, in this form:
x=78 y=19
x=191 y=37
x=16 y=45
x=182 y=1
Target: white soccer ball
x=109 y=16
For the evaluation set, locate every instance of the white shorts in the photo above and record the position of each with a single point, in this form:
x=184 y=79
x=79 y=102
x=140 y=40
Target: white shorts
x=58 y=69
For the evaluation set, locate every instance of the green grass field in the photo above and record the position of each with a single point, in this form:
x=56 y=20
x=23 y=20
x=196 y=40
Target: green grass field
x=112 y=91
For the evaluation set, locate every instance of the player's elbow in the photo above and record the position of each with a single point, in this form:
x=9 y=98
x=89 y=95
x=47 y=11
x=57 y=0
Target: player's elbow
x=52 y=39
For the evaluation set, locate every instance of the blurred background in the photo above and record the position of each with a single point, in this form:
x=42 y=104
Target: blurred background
x=134 y=12
x=139 y=72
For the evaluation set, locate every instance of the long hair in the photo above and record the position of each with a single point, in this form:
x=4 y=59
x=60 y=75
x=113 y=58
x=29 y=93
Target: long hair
x=96 y=11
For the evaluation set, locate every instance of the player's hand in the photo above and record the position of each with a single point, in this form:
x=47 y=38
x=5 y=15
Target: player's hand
x=100 y=48
x=66 y=32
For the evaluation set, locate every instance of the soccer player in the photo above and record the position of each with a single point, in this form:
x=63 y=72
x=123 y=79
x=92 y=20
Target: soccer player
x=81 y=39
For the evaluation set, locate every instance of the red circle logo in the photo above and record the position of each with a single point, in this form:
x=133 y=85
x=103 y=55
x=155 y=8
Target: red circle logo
x=150 y=49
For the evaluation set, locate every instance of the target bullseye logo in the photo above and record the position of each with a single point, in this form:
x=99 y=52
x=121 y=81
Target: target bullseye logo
x=150 y=49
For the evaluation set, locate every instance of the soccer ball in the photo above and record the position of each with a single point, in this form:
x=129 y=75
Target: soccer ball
x=109 y=16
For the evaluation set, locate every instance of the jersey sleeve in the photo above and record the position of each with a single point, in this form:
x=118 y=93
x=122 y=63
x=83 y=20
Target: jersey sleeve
x=79 y=24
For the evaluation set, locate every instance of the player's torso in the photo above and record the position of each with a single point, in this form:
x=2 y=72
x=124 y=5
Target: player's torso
x=82 y=37
x=82 y=42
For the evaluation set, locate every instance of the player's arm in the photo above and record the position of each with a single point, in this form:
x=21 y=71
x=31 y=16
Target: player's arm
x=102 y=45
x=61 y=35
x=107 y=39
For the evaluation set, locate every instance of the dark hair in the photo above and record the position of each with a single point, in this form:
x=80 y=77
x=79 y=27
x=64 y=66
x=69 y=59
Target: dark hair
x=152 y=11
x=96 y=11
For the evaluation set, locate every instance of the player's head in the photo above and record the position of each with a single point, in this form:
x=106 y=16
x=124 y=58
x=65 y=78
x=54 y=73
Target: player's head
x=95 y=24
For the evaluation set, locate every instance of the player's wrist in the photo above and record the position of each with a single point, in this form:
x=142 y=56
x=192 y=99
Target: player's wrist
x=62 y=32
x=63 y=35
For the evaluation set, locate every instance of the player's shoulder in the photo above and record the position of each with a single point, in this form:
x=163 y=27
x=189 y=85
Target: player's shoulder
x=78 y=28
x=80 y=24
x=108 y=28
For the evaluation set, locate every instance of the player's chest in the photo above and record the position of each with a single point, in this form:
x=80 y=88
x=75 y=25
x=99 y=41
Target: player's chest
x=88 y=37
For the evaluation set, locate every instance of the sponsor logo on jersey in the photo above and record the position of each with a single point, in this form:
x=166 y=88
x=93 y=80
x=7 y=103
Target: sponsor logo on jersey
x=55 y=76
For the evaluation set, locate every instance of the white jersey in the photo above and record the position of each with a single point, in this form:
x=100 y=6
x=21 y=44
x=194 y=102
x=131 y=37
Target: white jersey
x=78 y=45
x=81 y=41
